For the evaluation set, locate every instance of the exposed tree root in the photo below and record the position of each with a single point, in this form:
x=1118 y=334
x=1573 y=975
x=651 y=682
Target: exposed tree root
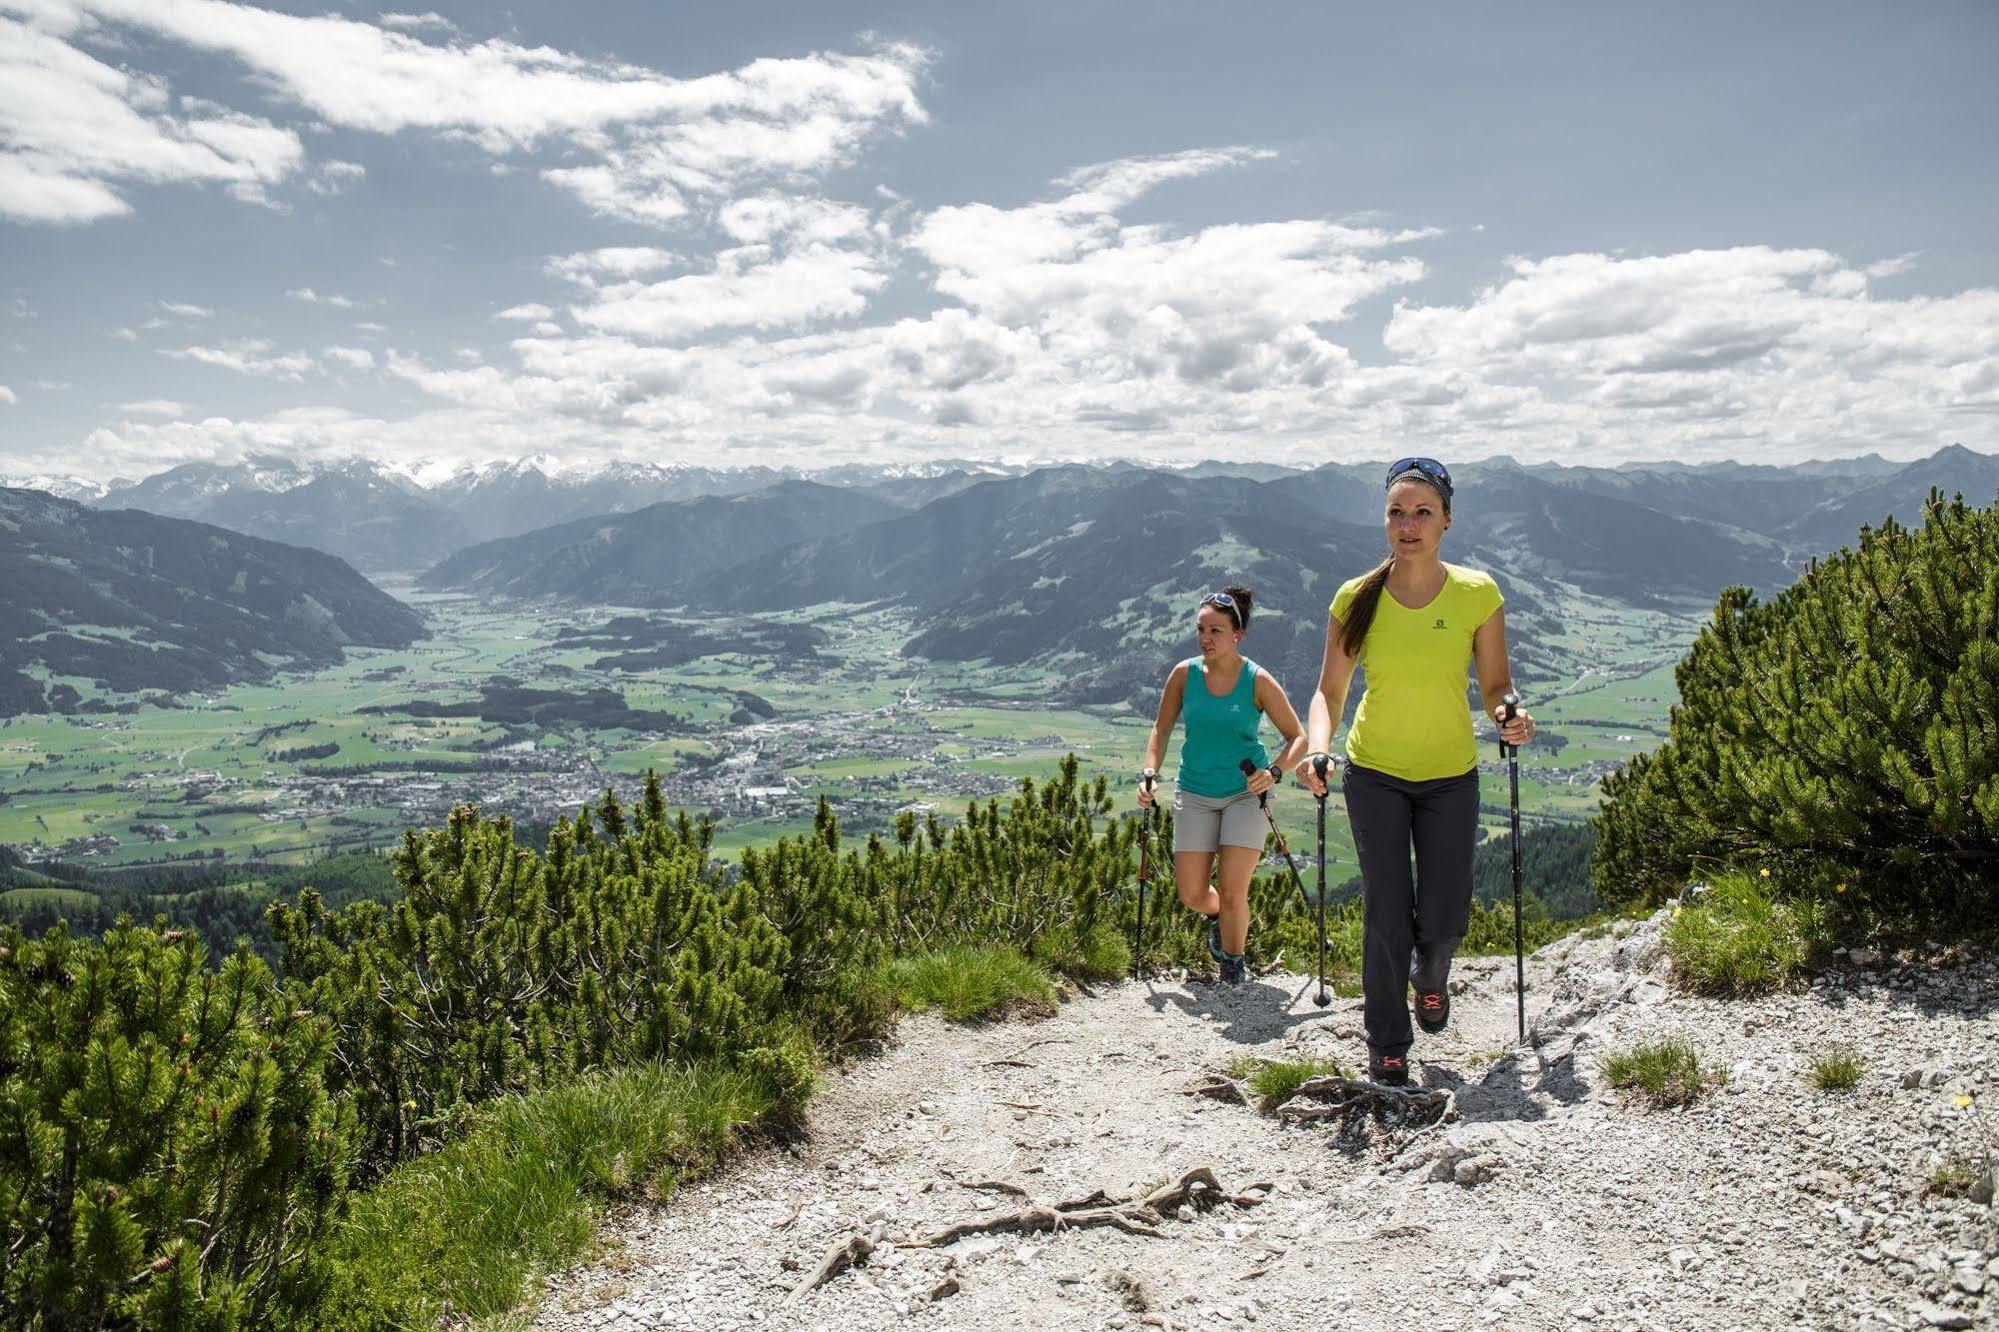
x=848 y=1252
x=1329 y=1097
x=1135 y=1216
x=1219 y=1086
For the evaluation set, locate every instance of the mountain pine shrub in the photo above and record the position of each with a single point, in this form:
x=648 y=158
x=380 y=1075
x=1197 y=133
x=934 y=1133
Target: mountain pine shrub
x=169 y=1153
x=1844 y=735
x=501 y=971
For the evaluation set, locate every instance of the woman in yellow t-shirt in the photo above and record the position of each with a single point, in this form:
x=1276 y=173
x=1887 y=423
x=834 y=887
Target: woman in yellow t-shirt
x=1413 y=624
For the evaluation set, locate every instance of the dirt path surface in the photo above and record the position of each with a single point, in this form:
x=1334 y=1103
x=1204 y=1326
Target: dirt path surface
x=1552 y=1202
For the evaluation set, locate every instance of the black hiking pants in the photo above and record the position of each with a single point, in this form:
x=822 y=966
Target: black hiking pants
x=1414 y=921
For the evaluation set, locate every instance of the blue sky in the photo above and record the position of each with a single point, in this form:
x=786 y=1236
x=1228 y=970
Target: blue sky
x=821 y=233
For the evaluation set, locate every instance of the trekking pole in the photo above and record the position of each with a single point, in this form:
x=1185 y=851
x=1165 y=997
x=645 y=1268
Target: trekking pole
x=1320 y=763
x=1248 y=766
x=1511 y=753
x=1148 y=780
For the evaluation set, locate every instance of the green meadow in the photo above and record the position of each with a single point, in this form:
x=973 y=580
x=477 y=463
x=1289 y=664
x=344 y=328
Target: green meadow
x=306 y=764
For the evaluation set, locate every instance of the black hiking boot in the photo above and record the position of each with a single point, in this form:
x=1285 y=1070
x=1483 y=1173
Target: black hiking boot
x=1215 y=949
x=1433 y=1010
x=1235 y=969
x=1388 y=1070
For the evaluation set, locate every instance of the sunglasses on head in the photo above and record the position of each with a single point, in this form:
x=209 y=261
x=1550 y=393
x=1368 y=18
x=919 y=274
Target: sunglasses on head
x=1427 y=467
x=1226 y=602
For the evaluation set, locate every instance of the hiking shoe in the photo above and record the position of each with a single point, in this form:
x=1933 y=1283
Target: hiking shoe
x=1235 y=969
x=1433 y=1010
x=1215 y=949
x=1388 y=1070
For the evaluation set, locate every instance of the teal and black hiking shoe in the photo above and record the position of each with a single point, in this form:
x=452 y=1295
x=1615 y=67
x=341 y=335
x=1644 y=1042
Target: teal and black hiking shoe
x=1235 y=969
x=1215 y=949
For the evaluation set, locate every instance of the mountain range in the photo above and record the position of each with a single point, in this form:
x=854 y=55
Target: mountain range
x=136 y=602
x=400 y=519
x=1088 y=567
x=662 y=554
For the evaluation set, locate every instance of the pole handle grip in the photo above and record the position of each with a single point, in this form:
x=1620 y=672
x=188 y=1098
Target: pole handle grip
x=1511 y=705
x=1148 y=778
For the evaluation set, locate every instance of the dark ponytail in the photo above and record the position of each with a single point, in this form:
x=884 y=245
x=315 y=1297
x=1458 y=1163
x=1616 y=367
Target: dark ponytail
x=1360 y=611
x=1242 y=596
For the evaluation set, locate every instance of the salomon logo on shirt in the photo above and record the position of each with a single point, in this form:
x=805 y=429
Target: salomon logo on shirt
x=1440 y=624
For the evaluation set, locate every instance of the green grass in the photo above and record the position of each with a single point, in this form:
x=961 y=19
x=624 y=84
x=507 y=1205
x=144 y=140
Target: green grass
x=1103 y=955
x=1273 y=1080
x=968 y=983
x=461 y=1233
x=1837 y=1069
x=1666 y=1072
x=63 y=899
x=1739 y=940
x=1959 y=1176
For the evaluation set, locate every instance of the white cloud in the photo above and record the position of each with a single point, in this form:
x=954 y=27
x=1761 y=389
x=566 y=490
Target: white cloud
x=311 y=297
x=1893 y=267
x=615 y=261
x=247 y=356
x=649 y=147
x=126 y=334
x=748 y=288
x=7 y=396
x=1693 y=353
x=330 y=178
x=351 y=358
x=428 y=20
x=154 y=407
x=655 y=144
x=525 y=312
x=73 y=129
x=184 y=310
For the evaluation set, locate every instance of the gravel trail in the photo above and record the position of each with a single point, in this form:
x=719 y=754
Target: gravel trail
x=1554 y=1202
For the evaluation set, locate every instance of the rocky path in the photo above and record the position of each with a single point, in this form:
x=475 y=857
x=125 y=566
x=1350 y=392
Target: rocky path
x=1555 y=1202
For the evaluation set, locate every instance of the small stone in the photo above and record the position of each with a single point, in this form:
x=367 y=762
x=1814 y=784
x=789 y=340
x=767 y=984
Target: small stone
x=1936 y=1315
x=1864 y=957
x=945 y=1289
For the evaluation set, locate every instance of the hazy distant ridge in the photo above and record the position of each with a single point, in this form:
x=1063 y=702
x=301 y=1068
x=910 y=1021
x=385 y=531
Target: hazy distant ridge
x=138 y=601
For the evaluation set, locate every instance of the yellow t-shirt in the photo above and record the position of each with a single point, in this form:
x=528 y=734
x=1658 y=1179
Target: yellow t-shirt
x=1413 y=722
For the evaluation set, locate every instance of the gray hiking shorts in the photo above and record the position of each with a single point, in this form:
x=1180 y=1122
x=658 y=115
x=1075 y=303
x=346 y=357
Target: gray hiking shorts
x=1206 y=823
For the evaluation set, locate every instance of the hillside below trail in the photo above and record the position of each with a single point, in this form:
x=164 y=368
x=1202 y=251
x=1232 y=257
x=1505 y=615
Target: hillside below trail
x=1552 y=1201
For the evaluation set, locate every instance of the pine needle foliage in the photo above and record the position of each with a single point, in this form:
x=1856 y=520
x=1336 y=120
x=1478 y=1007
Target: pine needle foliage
x=169 y=1153
x=500 y=971
x=1845 y=734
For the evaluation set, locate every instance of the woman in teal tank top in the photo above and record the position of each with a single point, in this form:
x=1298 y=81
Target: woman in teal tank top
x=1223 y=697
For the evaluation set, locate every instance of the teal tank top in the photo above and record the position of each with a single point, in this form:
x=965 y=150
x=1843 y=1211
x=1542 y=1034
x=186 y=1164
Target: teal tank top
x=1221 y=733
